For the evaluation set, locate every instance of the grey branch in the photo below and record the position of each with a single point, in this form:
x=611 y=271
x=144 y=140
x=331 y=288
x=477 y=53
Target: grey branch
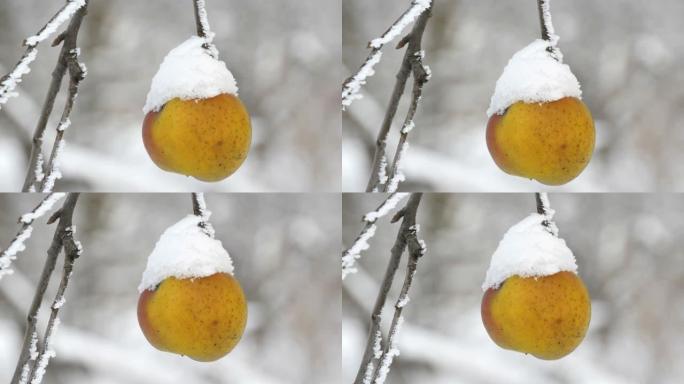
x=407 y=236
x=66 y=61
x=544 y=208
x=202 y=25
x=62 y=239
x=412 y=64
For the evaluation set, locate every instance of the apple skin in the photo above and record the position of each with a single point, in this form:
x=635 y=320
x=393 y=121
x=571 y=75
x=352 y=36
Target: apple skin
x=207 y=139
x=549 y=142
x=546 y=317
x=202 y=318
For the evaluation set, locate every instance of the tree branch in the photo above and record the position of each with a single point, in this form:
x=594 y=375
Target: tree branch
x=353 y=253
x=31 y=362
x=35 y=174
x=374 y=352
x=10 y=81
x=24 y=233
x=352 y=86
x=412 y=64
x=548 y=33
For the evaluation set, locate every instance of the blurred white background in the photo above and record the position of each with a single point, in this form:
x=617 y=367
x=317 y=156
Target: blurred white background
x=629 y=252
x=285 y=56
x=282 y=247
x=625 y=53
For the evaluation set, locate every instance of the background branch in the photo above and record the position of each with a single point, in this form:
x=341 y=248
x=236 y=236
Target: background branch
x=66 y=61
x=368 y=370
x=63 y=238
x=411 y=64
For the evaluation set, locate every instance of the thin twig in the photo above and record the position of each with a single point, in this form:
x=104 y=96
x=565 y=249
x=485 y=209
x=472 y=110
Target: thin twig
x=411 y=65
x=63 y=238
x=353 y=253
x=352 y=86
x=368 y=370
x=9 y=82
x=35 y=174
x=24 y=233
x=199 y=208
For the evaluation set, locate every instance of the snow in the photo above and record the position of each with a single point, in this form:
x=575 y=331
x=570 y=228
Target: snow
x=45 y=357
x=408 y=127
x=403 y=301
x=14 y=78
x=189 y=72
x=33 y=355
x=42 y=208
x=63 y=125
x=54 y=173
x=51 y=27
x=398 y=176
x=184 y=251
x=385 y=207
x=528 y=249
x=417 y=8
x=354 y=253
x=351 y=89
x=533 y=76
x=10 y=254
x=204 y=20
x=392 y=352
x=59 y=303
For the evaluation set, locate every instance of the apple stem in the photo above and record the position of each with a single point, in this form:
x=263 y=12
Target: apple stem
x=203 y=29
x=199 y=208
x=548 y=32
x=544 y=209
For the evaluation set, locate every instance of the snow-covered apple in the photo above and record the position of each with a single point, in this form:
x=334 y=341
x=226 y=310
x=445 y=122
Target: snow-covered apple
x=195 y=123
x=190 y=303
x=538 y=126
x=534 y=301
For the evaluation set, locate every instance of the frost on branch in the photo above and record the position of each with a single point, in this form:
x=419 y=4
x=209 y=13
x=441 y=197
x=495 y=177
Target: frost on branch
x=26 y=220
x=10 y=81
x=352 y=87
x=351 y=255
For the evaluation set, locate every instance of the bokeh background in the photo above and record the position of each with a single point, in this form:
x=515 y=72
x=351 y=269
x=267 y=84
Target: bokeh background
x=285 y=56
x=625 y=53
x=281 y=245
x=629 y=252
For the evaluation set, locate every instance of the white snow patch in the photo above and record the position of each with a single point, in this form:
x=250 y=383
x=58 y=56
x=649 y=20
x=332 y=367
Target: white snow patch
x=408 y=127
x=59 y=19
x=14 y=78
x=46 y=356
x=353 y=87
x=417 y=8
x=54 y=173
x=528 y=249
x=398 y=176
x=43 y=208
x=403 y=301
x=392 y=352
x=354 y=253
x=385 y=207
x=184 y=251
x=59 y=303
x=189 y=72
x=533 y=76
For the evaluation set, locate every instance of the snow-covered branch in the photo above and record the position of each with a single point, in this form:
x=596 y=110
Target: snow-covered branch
x=379 y=354
x=17 y=244
x=352 y=86
x=382 y=179
x=35 y=355
x=199 y=208
x=353 y=253
x=39 y=175
x=10 y=81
